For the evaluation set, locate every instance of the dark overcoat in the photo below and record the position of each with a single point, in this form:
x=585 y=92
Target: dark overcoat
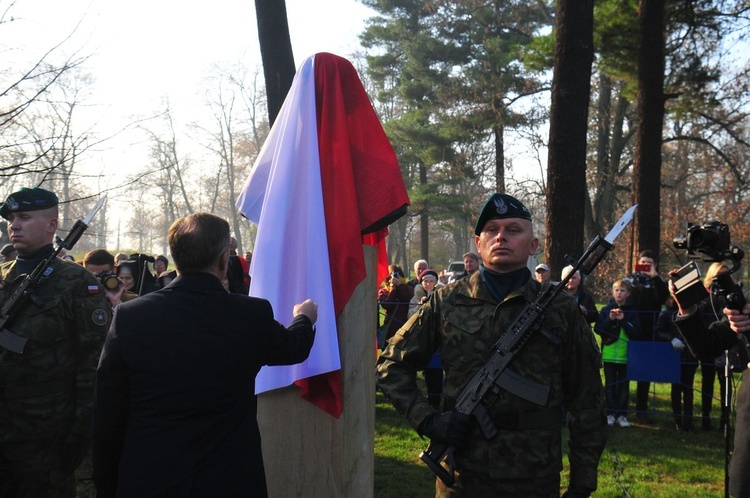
x=174 y=407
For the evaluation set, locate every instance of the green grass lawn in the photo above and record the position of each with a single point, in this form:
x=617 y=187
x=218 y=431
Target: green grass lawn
x=638 y=462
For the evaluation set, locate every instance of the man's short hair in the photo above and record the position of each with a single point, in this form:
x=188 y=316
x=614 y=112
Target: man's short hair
x=647 y=253
x=99 y=257
x=623 y=283
x=196 y=241
x=419 y=262
x=471 y=255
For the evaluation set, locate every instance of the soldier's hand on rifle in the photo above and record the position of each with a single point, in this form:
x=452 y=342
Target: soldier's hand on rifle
x=451 y=428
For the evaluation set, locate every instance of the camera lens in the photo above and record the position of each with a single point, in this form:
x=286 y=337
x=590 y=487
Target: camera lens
x=703 y=238
x=109 y=281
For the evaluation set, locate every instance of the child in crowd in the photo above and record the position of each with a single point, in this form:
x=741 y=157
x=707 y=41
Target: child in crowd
x=617 y=324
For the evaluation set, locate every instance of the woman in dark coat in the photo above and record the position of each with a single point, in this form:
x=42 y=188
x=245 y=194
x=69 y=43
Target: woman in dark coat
x=394 y=297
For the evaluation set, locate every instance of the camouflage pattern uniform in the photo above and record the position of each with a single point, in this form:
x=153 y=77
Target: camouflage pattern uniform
x=464 y=321
x=46 y=392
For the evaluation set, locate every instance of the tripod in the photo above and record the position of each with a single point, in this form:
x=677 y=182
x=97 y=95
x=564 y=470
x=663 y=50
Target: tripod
x=725 y=408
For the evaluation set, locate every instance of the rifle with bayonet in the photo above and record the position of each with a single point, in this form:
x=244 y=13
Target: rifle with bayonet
x=494 y=374
x=14 y=304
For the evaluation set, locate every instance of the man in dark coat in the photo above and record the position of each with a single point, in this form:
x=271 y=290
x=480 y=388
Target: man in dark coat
x=174 y=407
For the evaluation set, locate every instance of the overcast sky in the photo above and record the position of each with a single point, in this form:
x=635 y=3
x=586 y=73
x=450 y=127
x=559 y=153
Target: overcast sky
x=144 y=51
x=141 y=52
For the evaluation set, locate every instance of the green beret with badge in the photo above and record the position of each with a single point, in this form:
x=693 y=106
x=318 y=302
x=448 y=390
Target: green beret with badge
x=501 y=206
x=28 y=199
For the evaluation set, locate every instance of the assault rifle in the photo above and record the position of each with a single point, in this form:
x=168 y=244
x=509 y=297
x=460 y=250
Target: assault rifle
x=494 y=374
x=12 y=307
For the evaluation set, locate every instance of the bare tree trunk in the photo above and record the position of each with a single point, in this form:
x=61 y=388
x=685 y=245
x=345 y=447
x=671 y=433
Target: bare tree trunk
x=650 y=109
x=594 y=225
x=178 y=165
x=499 y=132
x=276 y=52
x=424 y=218
x=566 y=167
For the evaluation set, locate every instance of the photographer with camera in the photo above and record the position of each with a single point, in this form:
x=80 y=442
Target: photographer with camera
x=648 y=295
x=101 y=263
x=707 y=342
x=711 y=242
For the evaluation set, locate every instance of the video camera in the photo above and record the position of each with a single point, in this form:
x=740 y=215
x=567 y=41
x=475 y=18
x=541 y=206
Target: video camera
x=710 y=242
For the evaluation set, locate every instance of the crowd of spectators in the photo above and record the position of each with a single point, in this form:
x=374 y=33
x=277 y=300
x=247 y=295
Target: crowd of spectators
x=638 y=310
x=127 y=276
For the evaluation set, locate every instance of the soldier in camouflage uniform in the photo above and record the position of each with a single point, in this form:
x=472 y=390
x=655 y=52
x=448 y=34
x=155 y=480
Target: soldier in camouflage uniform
x=464 y=319
x=46 y=390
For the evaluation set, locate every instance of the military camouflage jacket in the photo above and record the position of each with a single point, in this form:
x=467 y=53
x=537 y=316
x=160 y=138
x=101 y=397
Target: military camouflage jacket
x=46 y=392
x=463 y=320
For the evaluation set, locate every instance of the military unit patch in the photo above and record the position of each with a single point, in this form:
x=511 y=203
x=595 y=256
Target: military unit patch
x=99 y=317
x=500 y=206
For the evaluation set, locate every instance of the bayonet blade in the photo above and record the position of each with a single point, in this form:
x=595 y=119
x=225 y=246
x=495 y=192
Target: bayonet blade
x=621 y=224
x=93 y=211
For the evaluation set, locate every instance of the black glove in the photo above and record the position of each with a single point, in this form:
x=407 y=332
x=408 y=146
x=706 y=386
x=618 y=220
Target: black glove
x=451 y=428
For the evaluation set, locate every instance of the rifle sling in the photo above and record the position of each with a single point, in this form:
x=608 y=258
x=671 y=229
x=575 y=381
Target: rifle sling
x=533 y=419
x=536 y=419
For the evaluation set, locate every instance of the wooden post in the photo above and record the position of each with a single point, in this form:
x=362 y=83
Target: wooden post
x=308 y=453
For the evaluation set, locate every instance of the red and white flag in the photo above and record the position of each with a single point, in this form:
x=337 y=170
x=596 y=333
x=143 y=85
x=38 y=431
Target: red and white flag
x=325 y=176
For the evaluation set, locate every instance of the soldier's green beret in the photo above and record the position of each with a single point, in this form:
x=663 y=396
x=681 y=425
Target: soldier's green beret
x=28 y=199
x=500 y=206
